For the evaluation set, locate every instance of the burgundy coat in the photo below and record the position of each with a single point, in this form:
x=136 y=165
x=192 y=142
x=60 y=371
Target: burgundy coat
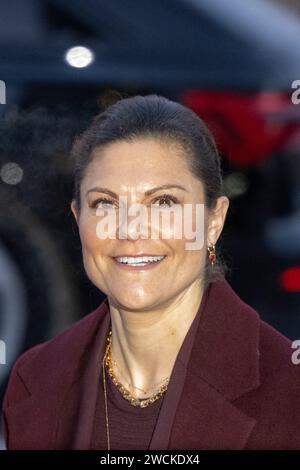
x=241 y=389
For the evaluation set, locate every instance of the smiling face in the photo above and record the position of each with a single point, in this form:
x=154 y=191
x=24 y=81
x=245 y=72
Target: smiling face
x=134 y=169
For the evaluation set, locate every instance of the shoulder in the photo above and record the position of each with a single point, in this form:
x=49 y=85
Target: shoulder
x=60 y=351
x=244 y=325
x=275 y=403
x=70 y=340
x=280 y=374
x=277 y=353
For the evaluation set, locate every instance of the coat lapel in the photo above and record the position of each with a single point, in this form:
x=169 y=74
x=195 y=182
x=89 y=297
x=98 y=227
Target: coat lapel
x=89 y=389
x=223 y=366
x=57 y=412
x=206 y=420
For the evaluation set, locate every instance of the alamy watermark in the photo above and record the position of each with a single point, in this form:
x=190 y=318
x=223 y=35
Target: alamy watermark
x=176 y=221
x=296 y=354
x=2 y=352
x=2 y=92
x=296 y=94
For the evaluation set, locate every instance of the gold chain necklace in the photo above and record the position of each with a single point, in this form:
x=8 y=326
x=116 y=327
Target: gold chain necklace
x=129 y=383
x=141 y=402
x=126 y=394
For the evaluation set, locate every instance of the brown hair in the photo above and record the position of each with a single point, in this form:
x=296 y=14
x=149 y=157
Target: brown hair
x=155 y=116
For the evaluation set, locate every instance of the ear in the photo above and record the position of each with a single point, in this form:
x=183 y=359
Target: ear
x=217 y=220
x=74 y=210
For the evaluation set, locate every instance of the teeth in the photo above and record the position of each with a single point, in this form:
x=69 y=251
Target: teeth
x=138 y=260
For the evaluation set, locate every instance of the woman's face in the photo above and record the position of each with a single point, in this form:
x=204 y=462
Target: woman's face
x=130 y=169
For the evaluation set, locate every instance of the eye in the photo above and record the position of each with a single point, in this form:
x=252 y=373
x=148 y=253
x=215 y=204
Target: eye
x=103 y=201
x=167 y=199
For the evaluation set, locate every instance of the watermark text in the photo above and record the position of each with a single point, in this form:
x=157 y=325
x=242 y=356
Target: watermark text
x=2 y=352
x=2 y=92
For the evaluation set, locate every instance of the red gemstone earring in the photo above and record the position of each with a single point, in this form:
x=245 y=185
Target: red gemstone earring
x=212 y=254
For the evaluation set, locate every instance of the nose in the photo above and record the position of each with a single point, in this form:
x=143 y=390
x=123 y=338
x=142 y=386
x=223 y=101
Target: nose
x=133 y=227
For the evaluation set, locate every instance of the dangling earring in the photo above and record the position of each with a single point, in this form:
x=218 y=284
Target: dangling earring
x=212 y=254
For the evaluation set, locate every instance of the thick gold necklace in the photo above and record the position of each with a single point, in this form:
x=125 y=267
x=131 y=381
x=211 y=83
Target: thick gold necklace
x=141 y=402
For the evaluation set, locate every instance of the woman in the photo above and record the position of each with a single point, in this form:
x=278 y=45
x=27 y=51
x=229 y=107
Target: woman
x=172 y=358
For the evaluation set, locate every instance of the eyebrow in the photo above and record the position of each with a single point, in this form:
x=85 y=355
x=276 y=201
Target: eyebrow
x=99 y=189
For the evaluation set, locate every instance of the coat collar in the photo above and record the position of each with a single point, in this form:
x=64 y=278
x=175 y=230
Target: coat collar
x=224 y=365
x=62 y=370
x=225 y=353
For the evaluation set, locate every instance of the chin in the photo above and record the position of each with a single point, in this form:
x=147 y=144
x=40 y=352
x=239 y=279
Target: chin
x=136 y=302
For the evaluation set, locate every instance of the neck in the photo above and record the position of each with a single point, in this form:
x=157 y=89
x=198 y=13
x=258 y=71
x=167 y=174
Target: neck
x=145 y=344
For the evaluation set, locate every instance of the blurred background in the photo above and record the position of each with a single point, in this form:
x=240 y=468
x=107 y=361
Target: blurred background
x=235 y=63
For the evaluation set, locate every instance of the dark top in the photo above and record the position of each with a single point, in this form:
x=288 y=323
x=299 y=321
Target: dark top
x=132 y=427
